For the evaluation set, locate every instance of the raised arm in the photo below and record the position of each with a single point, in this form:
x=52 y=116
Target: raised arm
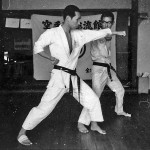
x=121 y=33
x=91 y=35
x=109 y=36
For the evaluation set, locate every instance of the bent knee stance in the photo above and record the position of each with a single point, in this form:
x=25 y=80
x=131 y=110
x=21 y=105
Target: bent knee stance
x=120 y=92
x=35 y=116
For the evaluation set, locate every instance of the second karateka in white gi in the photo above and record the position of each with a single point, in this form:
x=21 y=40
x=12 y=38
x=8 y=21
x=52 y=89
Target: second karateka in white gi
x=102 y=71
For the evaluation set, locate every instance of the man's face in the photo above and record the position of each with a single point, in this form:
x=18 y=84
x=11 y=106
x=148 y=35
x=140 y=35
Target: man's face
x=74 y=22
x=106 y=22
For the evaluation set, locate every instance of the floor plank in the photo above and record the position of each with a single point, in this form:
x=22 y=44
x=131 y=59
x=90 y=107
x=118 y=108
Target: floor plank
x=59 y=130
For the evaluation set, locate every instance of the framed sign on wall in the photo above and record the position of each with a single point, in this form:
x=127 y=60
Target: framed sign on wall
x=22 y=43
x=23 y=40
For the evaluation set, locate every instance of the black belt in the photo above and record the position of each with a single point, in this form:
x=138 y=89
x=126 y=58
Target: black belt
x=108 y=66
x=72 y=73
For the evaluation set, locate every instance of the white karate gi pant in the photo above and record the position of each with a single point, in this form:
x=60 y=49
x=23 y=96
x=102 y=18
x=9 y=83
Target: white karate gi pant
x=51 y=97
x=100 y=79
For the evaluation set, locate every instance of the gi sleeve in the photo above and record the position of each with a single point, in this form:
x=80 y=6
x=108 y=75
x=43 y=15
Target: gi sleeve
x=91 y=35
x=44 y=40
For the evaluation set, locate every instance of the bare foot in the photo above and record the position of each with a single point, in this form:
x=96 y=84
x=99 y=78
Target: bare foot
x=124 y=114
x=95 y=127
x=23 y=139
x=82 y=128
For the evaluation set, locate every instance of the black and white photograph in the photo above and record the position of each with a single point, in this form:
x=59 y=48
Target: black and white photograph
x=74 y=75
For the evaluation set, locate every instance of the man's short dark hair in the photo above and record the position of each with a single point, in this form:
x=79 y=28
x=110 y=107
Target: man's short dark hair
x=107 y=14
x=70 y=11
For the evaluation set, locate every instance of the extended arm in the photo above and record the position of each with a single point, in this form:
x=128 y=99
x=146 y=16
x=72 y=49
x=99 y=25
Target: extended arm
x=109 y=36
x=121 y=33
x=92 y=35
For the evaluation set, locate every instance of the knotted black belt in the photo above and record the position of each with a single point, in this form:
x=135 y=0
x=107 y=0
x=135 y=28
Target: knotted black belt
x=72 y=73
x=108 y=66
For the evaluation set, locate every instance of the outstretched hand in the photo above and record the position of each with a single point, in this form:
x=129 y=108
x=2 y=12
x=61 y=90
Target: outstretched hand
x=122 y=33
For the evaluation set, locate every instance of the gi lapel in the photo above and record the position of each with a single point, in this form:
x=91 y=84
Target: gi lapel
x=64 y=40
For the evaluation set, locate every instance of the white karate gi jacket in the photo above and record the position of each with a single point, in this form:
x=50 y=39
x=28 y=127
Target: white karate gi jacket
x=56 y=39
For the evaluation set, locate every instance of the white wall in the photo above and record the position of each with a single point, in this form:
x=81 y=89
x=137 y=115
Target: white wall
x=143 y=52
x=143 y=59
x=60 y=4
x=144 y=6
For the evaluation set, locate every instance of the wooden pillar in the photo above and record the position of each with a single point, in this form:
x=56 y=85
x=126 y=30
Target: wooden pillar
x=133 y=41
x=122 y=52
x=1 y=45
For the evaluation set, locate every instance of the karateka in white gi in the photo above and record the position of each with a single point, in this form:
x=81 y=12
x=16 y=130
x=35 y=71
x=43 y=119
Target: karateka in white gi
x=65 y=43
x=102 y=71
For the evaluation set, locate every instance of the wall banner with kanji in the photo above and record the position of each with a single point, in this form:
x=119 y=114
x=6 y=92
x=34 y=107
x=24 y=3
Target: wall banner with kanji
x=43 y=66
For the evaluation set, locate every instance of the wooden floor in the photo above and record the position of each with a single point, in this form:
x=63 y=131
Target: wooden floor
x=59 y=132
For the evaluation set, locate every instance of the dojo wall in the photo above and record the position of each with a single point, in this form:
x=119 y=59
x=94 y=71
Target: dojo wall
x=143 y=60
x=60 y=4
x=144 y=6
x=143 y=52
